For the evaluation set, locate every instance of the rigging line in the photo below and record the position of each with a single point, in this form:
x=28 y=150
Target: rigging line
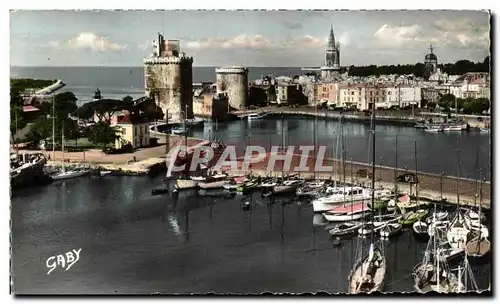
x=402 y=279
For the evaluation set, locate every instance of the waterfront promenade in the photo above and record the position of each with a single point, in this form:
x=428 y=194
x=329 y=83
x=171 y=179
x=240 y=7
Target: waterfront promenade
x=402 y=118
x=387 y=117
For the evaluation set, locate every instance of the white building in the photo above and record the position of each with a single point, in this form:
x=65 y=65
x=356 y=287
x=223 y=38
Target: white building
x=391 y=97
x=353 y=96
x=410 y=96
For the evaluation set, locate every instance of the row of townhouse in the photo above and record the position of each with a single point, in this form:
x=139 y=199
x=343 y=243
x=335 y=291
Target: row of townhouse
x=363 y=95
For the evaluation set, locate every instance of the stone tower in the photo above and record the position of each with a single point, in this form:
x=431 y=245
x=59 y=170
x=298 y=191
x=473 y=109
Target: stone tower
x=169 y=78
x=430 y=64
x=331 y=69
x=234 y=82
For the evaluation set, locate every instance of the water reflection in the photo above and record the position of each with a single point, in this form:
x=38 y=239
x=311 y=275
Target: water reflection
x=299 y=131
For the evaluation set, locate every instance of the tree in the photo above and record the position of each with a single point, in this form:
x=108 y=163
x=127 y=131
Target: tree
x=148 y=109
x=446 y=101
x=16 y=112
x=101 y=133
x=64 y=104
x=86 y=111
x=476 y=106
x=42 y=128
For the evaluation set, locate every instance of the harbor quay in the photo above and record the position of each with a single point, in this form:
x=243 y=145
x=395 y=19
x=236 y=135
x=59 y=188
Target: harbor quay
x=139 y=162
x=386 y=117
x=431 y=187
x=400 y=118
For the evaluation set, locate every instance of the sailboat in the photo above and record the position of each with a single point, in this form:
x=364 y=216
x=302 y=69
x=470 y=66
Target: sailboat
x=67 y=174
x=478 y=244
x=368 y=273
x=433 y=273
x=414 y=217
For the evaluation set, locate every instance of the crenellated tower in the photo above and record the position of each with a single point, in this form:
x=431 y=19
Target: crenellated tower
x=169 y=78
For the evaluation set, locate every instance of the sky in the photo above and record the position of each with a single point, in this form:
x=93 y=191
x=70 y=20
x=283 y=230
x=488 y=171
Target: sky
x=249 y=38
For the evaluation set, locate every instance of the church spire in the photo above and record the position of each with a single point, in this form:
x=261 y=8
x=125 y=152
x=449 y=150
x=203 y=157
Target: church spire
x=331 y=39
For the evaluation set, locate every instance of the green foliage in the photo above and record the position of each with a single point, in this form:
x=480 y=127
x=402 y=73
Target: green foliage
x=476 y=106
x=23 y=84
x=86 y=111
x=64 y=104
x=101 y=133
x=148 y=109
x=446 y=101
x=43 y=126
x=16 y=112
x=458 y=68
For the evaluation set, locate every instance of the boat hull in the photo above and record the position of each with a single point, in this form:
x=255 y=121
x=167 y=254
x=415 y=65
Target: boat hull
x=31 y=175
x=212 y=185
x=72 y=174
x=184 y=184
x=390 y=230
x=356 y=275
x=345 y=217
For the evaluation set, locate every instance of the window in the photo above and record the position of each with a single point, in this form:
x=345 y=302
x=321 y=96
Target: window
x=344 y=98
x=352 y=93
x=359 y=99
x=124 y=131
x=389 y=93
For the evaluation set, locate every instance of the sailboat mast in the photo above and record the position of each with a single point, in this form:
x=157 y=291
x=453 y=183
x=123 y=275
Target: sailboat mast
x=343 y=159
x=314 y=133
x=282 y=144
x=373 y=160
x=416 y=175
x=396 y=173
x=53 y=128
x=458 y=178
x=62 y=143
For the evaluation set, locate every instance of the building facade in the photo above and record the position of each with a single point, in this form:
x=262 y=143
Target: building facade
x=353 y=96
x=131 y=131
x=169 y=78
x=328 y=92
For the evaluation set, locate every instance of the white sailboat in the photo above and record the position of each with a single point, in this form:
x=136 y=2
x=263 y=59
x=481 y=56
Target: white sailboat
x=368 y=272
x=67 y=174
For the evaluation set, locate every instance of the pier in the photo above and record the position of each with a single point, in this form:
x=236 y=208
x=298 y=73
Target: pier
x=400 y=118
x=433 y=187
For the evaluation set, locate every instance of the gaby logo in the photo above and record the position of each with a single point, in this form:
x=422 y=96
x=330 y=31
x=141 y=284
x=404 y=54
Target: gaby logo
x=65 y=261
x=253 y=155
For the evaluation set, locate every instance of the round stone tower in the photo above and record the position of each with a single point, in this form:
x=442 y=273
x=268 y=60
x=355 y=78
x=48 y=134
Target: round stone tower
x=169 y=79
x=234 y=82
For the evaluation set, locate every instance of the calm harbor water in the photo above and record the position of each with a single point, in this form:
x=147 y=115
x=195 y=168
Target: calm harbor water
x=436 y=153
x=132 y=242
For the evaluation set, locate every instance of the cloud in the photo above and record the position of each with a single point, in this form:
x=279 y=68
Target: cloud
x=259 y=42
x=463 y=33
x=307 y=41
x=398 y=35
x=292 y=25
x=145 y=45
x=94 y=42
x=241 y=41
